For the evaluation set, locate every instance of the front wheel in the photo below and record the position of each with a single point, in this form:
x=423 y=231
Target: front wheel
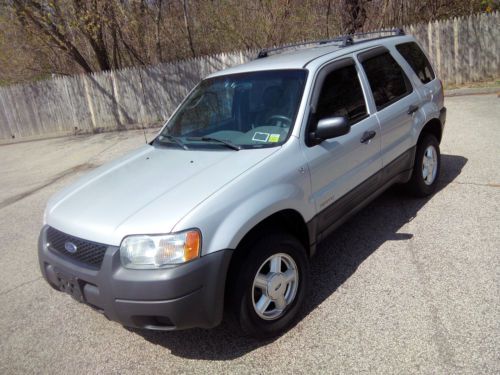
x=427 y=166
x=271 y=286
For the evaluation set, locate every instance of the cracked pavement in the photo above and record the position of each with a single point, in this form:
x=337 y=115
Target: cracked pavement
x=406 y=286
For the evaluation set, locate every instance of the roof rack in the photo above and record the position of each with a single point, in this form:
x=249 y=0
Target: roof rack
x=343 y=40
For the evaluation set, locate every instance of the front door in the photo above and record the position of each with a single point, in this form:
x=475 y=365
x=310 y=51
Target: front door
x=343 y=164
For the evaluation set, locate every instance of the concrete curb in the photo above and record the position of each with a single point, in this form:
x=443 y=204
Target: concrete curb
x=472 y=91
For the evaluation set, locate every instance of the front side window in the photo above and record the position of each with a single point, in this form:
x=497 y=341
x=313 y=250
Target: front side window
x=387 y=79
x=342 y=95
x=417 y=60
x=247 y=110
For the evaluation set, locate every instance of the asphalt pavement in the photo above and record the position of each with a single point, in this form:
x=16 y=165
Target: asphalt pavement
x=406 y=286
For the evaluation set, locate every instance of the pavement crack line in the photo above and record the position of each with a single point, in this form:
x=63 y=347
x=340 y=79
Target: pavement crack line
x=60 y=176
x=493 y=185
x=90 y=164
x=20 y=286
x=96 y=156
x=440 y=333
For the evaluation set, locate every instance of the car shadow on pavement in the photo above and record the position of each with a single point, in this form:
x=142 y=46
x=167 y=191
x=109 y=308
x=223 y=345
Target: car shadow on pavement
x=336 y=259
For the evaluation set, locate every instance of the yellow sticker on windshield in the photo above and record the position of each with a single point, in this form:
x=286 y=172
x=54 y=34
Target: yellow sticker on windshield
x=274 y=138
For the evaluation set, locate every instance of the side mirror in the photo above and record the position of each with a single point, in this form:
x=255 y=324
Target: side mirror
x=331 y=127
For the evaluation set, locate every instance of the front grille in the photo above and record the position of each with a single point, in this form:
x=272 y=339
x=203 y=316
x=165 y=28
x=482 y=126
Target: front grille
x=87 y=252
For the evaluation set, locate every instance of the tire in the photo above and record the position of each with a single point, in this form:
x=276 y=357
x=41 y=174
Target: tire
x=424 y=182
x=247 y=296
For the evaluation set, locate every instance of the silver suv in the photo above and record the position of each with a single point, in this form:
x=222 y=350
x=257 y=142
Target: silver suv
x=224 y=208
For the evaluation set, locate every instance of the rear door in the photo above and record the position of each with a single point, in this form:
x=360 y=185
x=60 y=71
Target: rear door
x=343 y=164
x=395 y=99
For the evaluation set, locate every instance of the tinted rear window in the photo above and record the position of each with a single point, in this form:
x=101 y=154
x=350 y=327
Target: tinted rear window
x=387 y=80
x=417 y=60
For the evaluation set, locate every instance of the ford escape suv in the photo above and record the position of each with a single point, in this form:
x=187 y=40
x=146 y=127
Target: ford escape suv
x=222 y=210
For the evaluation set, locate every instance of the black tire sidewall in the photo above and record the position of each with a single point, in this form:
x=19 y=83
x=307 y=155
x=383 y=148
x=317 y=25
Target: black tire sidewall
x=248 y=319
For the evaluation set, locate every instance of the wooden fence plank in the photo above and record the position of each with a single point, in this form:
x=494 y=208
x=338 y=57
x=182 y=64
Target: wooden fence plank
x=462 y=50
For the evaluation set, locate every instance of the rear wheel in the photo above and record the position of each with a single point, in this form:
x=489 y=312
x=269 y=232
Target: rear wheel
x=270 y=286
x=427 y=166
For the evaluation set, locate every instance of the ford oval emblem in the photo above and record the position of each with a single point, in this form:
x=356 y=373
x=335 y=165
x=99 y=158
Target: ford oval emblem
x=70 y=247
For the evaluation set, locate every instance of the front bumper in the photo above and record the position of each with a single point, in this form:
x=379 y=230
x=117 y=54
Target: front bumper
x=184 y=296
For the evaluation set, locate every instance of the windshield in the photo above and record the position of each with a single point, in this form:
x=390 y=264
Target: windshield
x=248 y=110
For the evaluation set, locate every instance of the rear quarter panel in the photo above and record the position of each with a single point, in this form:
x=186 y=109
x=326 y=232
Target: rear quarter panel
x=431 y=95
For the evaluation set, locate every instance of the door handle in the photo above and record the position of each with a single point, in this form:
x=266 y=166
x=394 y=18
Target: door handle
x=413 y=108
x=367 y=136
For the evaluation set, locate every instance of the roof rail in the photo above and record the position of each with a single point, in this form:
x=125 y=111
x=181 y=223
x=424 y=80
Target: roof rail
x=343 y=40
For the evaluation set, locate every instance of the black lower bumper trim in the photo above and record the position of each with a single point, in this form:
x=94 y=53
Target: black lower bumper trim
x=185 y=296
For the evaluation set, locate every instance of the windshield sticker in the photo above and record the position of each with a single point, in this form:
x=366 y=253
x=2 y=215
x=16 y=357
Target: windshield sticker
x=260 y=137
x=274 y=138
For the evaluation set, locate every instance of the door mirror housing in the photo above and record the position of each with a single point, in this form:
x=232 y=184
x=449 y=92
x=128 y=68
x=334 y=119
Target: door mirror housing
x=330 y=127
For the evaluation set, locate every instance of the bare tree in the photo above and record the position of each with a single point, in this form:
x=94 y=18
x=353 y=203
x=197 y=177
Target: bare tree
x=354 y=15
x=188 y=28
x=41 y=37
x=158 y=22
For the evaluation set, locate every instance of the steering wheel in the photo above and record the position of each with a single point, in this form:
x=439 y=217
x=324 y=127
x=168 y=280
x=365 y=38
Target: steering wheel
x=280 y=120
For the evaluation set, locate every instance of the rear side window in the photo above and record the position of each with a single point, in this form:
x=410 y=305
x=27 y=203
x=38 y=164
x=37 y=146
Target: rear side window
x=417 y=60
x=387 y=80
x=341 y=95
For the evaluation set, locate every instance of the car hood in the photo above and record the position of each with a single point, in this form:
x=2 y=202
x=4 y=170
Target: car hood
x=145 y=192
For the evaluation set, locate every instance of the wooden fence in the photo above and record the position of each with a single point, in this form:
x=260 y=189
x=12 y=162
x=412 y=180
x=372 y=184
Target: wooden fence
x=462 y=50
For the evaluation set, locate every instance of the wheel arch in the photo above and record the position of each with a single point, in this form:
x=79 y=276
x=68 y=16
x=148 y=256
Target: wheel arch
x=433 y=127
x=286 y=220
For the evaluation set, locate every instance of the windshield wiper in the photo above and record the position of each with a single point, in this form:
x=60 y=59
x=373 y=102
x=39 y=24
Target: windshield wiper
x=175 y=140
x=228 y=144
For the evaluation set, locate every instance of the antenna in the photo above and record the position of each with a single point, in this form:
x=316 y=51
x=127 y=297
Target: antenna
x=144 y=132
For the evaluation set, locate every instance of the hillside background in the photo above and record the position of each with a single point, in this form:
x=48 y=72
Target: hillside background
x=40 y=39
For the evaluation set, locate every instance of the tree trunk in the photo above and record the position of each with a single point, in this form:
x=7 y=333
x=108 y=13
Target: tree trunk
x=158 y=31
x=354 y=11
x=328 y=11
x=186 y=24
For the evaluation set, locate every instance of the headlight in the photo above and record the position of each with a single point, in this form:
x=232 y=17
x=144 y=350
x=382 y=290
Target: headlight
x=156 y=251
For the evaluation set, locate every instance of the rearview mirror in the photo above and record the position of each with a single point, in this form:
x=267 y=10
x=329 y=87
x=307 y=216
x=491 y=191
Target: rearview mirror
x=331 y=127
